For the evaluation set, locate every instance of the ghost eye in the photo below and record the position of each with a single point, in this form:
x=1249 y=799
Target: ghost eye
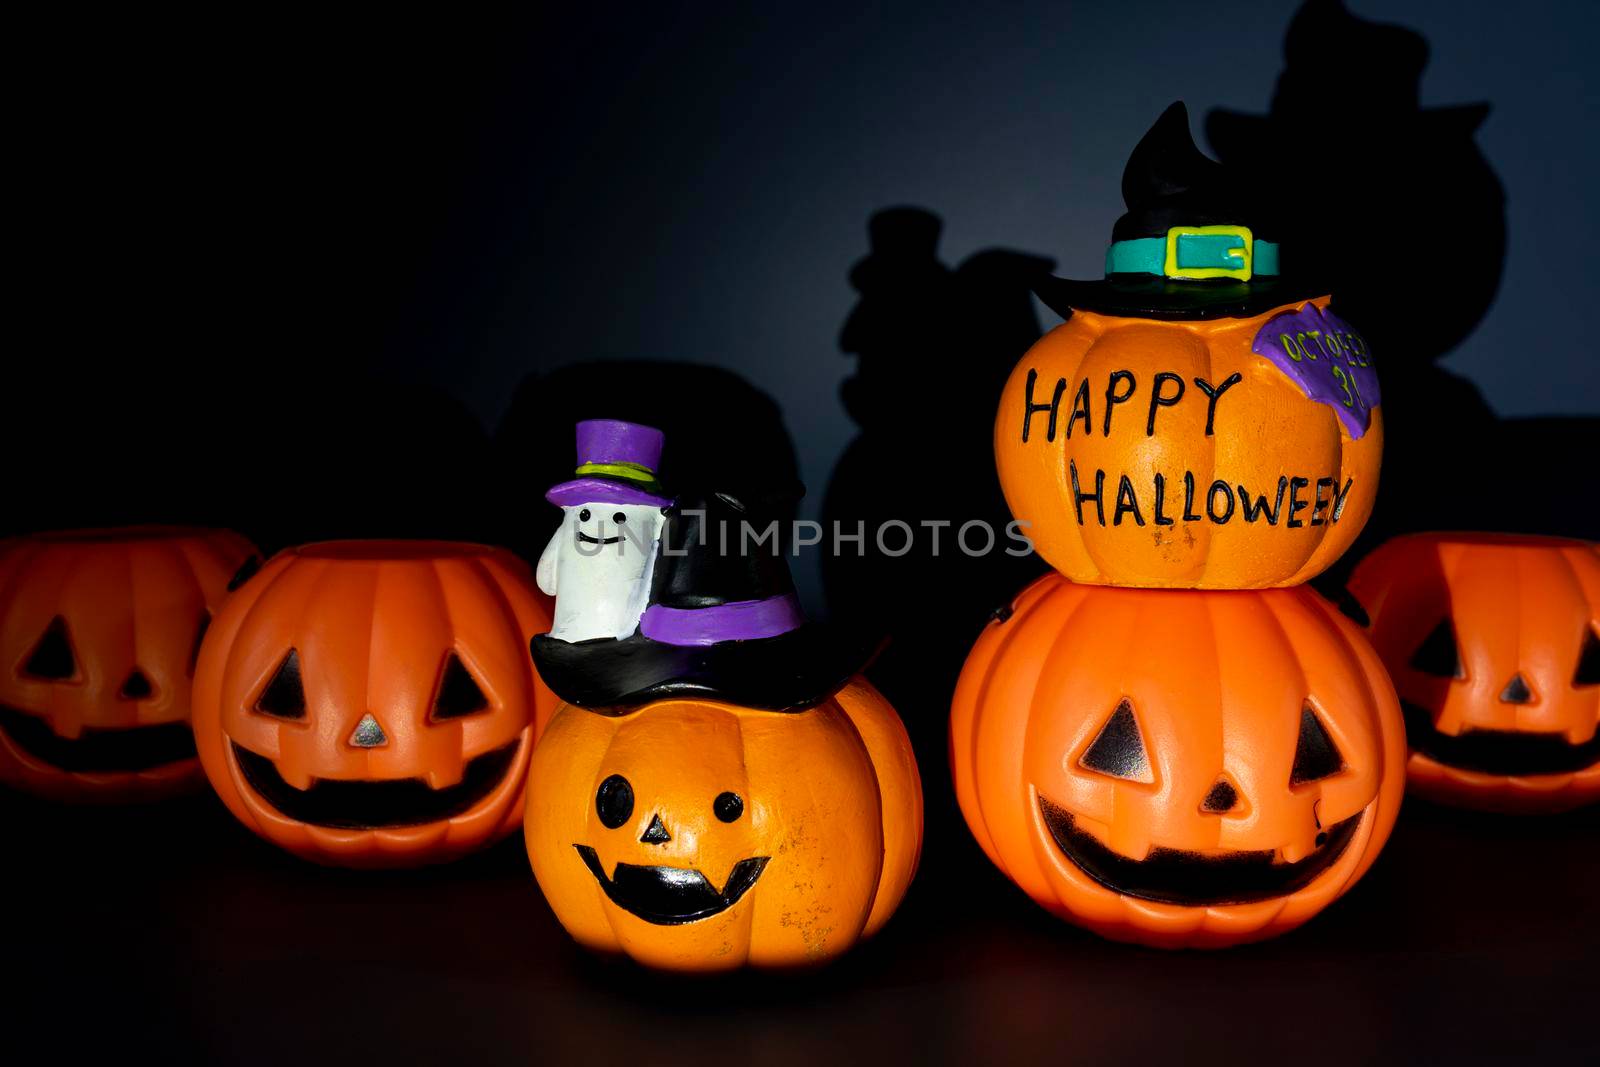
x=728 y=806
x=1118 y=751
x=584 y=515
x=619 y=518
x=614 y=801
x=459 y=695
x=51 y=659
x=1438 y=655
x=1588 y=661
x=1315 y=755
x=285 y=696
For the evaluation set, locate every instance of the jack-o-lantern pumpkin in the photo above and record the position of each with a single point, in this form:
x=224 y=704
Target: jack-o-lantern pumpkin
x=370 y=703
x=98 y=635
x=696 y=835
x=1200 y=420
x=1493 y=641
x=1186 y=459
x=1177 y=768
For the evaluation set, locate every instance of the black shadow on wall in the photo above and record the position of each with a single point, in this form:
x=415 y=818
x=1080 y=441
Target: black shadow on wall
x=1406 y=220
x=933 y=347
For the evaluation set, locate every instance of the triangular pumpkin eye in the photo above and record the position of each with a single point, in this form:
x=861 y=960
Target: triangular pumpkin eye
x=284 y=697
x=51 y=659
x=1588 y=661
x=1315 y=755
x=459 y=694
x=1118 y=750
x=1437 y=654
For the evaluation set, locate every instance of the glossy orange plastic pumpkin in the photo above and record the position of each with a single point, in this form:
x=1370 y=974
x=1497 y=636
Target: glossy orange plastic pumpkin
x=98 y=634
x=1169 y=454
x=1493 y=641
x=1177 y=768
x=371 y=703
x=696 y=835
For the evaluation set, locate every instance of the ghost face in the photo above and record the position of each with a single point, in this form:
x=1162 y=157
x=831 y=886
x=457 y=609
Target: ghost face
x=598 y=566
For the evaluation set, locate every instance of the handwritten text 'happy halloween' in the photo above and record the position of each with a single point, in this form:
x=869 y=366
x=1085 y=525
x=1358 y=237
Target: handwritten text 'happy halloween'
x=1322 y=496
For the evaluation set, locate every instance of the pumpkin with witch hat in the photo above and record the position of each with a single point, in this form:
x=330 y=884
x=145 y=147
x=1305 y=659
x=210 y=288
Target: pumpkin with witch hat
x=719 y=789
x=1201 y=420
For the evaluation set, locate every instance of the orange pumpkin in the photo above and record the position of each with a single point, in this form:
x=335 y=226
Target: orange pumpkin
x=696 y=835
x=371 y=703
x=1493 y=641
x=1177 y=768
x=1170 y=454
x=98 y=633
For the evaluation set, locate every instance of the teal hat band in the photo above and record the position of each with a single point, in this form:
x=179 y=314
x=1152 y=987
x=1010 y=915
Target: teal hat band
x=1195 y=252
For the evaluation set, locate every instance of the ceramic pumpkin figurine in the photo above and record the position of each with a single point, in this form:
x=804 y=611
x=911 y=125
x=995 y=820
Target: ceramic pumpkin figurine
x=1224 y=791
x=694 y=834
x=1201 y=420
x=1493 y=641
x=98 y=635
x=718 y=791
x=368 y=703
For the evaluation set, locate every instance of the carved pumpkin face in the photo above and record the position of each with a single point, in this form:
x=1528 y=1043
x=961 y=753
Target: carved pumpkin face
x=696 y=835
x=1177 y=768
x=98 y=634
x=1173 y=455
x=1493 y=642
x=372 y=703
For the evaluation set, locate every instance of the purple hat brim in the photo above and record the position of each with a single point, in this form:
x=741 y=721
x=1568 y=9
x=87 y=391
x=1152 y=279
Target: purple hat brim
x=602 y=491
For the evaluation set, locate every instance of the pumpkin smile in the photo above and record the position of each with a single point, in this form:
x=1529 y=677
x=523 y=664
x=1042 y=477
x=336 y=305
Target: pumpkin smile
x=136 y=748
x=1181 y=876
x=671 y=896
x=1501 y=752
x=374 y=804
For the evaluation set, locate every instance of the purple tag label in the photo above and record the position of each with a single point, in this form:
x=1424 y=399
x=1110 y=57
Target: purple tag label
x=1327 y=359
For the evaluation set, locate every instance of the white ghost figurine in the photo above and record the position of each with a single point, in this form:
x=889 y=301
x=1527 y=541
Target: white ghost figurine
x=598 y=566
x=600 y=563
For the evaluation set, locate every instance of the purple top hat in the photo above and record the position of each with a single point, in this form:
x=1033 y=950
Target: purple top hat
x=616 y=465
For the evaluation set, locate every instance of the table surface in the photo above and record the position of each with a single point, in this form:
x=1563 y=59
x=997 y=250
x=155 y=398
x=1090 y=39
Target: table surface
x=170 y=929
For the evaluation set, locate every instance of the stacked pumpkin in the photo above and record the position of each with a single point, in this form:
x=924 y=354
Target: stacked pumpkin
x=1172 y=740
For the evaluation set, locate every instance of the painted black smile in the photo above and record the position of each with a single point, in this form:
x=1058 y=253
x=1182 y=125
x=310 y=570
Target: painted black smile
x=137 y=748
x=372 y=805
x=584 y=538
x=671 y=896
x=1176 y=876
x=1502 y=752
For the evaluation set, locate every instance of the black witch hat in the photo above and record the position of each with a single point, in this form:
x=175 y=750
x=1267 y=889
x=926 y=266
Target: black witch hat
x=723 y=623
x=1192 y=245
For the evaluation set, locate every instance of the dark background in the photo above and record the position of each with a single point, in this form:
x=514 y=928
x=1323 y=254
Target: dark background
x=309 y=275
x=226 y=221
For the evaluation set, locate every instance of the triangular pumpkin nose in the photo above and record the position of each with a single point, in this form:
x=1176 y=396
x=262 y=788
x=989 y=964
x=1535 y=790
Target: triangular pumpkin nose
x=1516 y=691
x=368 y=734
x=656 y=832
x=136 y=686
x=1221 y=799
